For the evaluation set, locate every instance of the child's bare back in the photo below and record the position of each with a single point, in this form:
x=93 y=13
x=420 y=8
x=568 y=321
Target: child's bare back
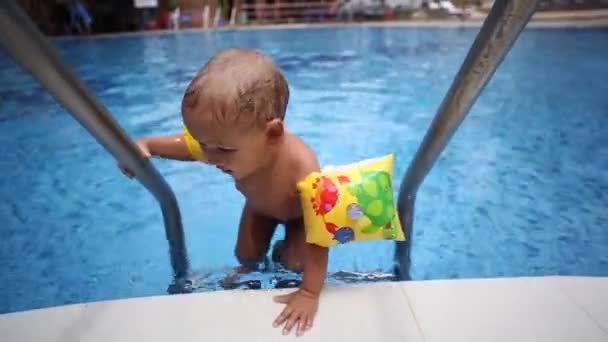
x=233 y=111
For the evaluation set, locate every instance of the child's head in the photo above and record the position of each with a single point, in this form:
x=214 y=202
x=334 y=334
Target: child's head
x=235 y=108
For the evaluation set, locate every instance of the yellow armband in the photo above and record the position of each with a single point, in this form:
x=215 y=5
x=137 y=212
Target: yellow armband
x=350 y=203
x=196 y=152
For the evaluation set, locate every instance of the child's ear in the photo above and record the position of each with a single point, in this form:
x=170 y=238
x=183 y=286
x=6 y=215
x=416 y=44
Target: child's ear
x=274 y=130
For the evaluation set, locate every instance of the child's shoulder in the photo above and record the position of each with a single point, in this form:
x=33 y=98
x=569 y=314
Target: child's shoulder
x=303 y=159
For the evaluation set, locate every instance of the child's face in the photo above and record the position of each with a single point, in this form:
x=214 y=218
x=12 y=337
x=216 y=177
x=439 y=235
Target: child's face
x=235 y=149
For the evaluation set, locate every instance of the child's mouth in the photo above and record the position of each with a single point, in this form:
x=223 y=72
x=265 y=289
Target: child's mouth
x=227 y=171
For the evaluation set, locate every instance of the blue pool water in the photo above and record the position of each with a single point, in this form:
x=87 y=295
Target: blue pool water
x=522 y=189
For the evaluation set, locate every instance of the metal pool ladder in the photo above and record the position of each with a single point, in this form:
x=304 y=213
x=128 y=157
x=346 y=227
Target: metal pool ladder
x=499 y=31
x=29 y=48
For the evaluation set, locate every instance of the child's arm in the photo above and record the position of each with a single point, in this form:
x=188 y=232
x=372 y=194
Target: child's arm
x=315 y=269
x=301 y=306
x=168 y=147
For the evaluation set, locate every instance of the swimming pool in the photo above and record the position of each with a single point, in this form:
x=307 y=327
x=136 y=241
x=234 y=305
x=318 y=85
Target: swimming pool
x=520 y=190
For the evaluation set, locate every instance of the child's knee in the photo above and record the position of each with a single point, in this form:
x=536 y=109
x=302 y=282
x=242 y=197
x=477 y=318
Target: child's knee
x=285 y=254
x=248 y=258
x=294 y=264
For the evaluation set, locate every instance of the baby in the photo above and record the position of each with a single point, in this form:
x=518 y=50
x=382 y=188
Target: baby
x=233 y=112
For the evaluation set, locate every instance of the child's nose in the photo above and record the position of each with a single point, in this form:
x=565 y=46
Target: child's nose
x=213 y=159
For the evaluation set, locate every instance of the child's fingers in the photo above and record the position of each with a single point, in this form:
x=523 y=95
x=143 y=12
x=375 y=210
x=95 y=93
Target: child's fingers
x=125 y=171
x=309 y=322
x=301 y=328
x=291 y=321
x=304 y=324
x=283 y=316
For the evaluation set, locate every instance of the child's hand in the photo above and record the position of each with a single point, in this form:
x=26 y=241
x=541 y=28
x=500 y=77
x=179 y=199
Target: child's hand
x=144 y=150
x=300 y=311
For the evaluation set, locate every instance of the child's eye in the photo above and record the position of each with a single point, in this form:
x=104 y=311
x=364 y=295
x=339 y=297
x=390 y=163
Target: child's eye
x=225 y=150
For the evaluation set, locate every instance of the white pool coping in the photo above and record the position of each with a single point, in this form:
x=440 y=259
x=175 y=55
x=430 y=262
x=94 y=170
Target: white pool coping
x=506 y=309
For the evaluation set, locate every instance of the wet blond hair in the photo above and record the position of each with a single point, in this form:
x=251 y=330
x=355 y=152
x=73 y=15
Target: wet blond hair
x=238 y=86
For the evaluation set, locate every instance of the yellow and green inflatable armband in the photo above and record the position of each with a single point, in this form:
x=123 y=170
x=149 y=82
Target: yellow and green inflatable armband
x=196 y=152
x=352 y=202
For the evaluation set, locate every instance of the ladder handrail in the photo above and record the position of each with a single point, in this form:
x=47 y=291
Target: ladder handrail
x=32 y=51
x=499 y=31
